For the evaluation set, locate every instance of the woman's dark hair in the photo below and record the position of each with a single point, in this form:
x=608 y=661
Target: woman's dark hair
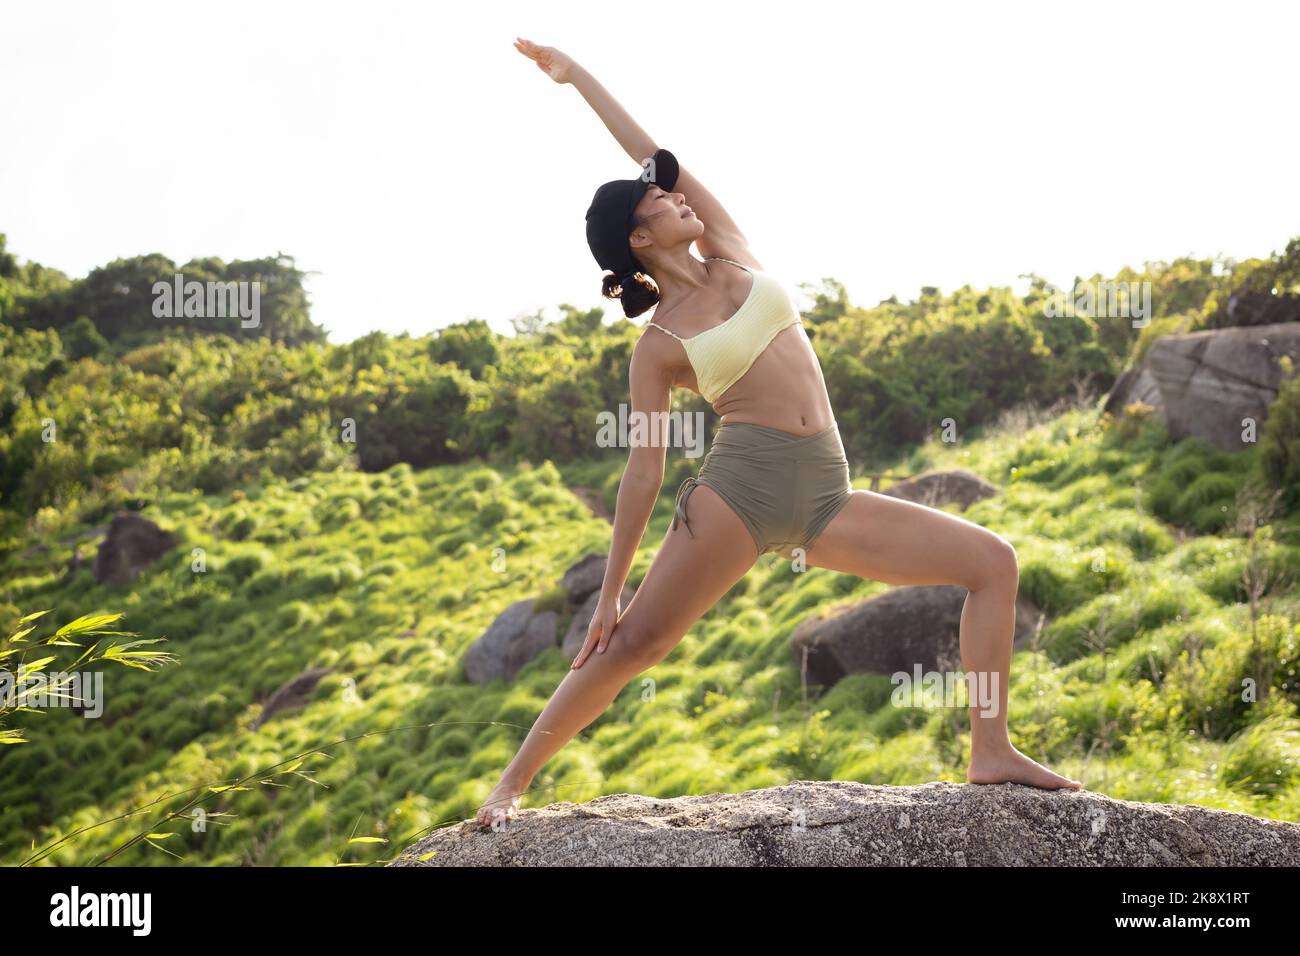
x=636 y=290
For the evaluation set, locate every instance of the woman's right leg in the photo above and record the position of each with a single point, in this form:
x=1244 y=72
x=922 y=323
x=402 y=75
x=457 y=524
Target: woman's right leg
x=686 y=578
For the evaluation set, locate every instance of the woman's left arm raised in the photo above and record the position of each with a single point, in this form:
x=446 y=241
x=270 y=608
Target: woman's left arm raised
x=722 y=237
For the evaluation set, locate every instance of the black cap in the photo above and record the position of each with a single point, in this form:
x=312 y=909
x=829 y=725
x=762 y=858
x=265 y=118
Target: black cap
x=610 y=215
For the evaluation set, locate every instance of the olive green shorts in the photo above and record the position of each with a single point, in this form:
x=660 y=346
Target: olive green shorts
x=786 y=488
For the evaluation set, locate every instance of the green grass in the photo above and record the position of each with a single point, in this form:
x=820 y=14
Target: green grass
x=1138 y=685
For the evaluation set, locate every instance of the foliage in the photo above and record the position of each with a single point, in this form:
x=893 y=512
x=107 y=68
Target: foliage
x=369 y=508
x=27 y=681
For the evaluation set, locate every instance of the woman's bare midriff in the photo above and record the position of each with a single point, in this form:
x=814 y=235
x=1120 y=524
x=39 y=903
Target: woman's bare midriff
x=783 y=389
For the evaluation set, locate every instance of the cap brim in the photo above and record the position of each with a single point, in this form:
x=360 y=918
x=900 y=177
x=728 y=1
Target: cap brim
x=664 y=171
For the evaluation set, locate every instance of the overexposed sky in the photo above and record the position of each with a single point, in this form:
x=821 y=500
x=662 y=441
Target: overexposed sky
x=395 y=149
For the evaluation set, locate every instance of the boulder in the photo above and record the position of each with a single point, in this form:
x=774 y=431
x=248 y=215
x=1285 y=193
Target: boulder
x=1135 y=385
x=519 y=634
x=938 y=488
x=585 y=576
x=291 y=694
x=133 y=543
x=846 y=823
x=1206 y=383
x=899 y=630
x=577 y=632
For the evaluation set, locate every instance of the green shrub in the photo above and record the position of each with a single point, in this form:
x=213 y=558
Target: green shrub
x=1264 y=758
x=1279 y=447
x=244 y=565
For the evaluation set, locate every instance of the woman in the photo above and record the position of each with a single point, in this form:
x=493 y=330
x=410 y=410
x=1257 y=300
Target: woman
x=775 y=478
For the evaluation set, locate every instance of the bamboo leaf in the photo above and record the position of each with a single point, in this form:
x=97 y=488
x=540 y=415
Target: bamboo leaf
x=164 y=849
x=143 y=660
x=85 y=655
x=87 y=623
x=31 y=667
x=130 y=644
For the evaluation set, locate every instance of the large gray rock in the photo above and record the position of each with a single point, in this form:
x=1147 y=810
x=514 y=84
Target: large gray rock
x=516 y=637
x=577 y=632
x=1208 y=382
x=939 y=488
x=844 y=823
x=899 y=630
x=133 y=543
x=585 y=576
x=1135 y=385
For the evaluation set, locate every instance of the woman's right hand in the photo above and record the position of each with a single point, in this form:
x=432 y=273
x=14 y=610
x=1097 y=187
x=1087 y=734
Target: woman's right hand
x=599 y=631
x=558 y=66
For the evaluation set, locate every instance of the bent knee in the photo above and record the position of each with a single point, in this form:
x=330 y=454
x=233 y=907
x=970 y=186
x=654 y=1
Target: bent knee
x=998 y=563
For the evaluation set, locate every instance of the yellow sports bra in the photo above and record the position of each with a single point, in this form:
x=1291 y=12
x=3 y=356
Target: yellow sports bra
x=724 y=353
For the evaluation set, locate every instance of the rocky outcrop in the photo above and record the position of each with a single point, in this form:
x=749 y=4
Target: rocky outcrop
x=844 y=823
x=133 y=543
x=586 y=575
x=939 y=488
x=1206 y=383
x=292 y=694
x=1135 y=385
x=900 y=630
x=519 y=634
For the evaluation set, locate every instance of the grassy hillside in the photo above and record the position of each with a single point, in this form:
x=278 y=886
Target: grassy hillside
x=1135 y=686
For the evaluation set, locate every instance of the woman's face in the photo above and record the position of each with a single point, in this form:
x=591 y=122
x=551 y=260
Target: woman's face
x=666 y=221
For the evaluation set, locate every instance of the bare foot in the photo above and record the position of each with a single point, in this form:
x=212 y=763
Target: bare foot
x=502 y=804
x=1011 y=766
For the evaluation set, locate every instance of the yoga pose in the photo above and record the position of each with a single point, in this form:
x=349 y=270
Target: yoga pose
x=775 y=478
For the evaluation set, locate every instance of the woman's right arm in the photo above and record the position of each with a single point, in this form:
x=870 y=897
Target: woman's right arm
x=638 y=489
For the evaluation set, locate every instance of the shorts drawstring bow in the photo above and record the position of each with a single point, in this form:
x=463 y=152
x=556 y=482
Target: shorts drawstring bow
x=679 y=505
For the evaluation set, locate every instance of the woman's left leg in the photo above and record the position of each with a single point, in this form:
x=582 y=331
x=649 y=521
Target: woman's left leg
x=899 y=542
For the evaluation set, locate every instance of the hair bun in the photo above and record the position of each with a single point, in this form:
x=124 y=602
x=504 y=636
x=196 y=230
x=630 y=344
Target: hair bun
x=636 y=290
x=612 y=286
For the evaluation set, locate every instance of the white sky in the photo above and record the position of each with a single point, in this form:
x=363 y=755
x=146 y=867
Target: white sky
x=396 y=149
